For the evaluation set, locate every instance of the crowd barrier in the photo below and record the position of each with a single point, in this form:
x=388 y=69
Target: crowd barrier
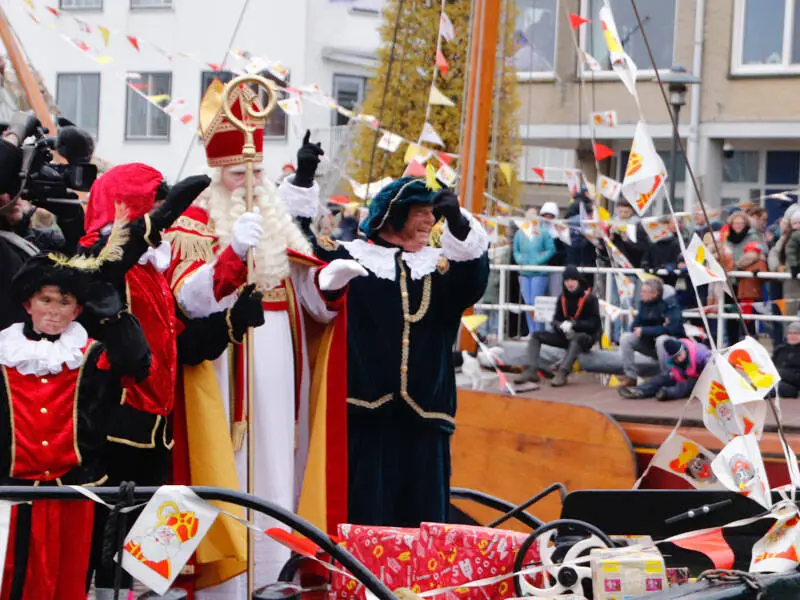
x=505 y=306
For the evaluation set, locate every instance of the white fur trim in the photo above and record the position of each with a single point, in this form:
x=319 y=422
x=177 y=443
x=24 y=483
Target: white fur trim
x=300 y=202
x=475 y=244
x=381 y=261
x=196 y=294
x=42 y=357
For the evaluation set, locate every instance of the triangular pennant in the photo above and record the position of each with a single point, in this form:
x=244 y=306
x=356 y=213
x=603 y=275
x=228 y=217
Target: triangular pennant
x=576 y=21
x=430 y=178
x=53 y=10
x=609 y=188
x=446 y=175
x=415 y=169
x=30 y=3
x=418 y=153
x=472 y=322
x=437 y=98
x=441 y=62
x=34 y=18
x=291 y=106
x=390 y=142
x=429 y=135
x=702 y=266
x=105 y=32
x=446 y=158
x=83 y=25
x=505 y=169
x=591 y=62
x=645 y=173
x=602 y=152
x=446 y=28
x=295 y=543
x=186 y=119
x=134 y=42
x=712 y=544
x=539 y=172
x=215 y=67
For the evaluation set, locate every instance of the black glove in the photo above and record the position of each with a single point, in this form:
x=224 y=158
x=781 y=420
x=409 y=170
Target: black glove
x=247 y=312
x=795 y=271
x=179 y=198
x=307 y=162
x=22 y=125
x=445 y=204
x=103 y=301
x=10 y=166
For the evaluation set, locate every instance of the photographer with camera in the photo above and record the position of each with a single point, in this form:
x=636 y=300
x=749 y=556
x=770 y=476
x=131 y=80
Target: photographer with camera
x=28 y=182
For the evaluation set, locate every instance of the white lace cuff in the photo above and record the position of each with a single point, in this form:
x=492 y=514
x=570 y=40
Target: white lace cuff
x=300 y=202
x=475 y=244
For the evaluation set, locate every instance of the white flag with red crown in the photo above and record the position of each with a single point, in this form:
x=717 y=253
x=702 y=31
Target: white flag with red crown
x=645 y=173
x=622 y=64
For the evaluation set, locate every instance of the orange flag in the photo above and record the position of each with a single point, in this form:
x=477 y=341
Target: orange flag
x=602 y=152
x=576 y=21
x=712 y=544
x=441 y=62
x=53 y=10
x=134 y=42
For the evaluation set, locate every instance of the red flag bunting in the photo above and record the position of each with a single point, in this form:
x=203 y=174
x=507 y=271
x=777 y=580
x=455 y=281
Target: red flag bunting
x=602 y=152
x=539 y=172
x=185 y=119
x=82 y=45
x=53 y=10
x=415 y=169
x=441 y=62
x=134 y=42
x=139 y=86
x=295 y=543
x=576 y=20
x=446 y=158
x=712 y=544
x=343 y=200
x=214 y=67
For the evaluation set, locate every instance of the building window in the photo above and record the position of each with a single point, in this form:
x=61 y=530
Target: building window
x=766 y=36
x=276 y=125
x=348 y=91
x=78 y=98
x=535 y=36
x=151 y=3
x=80 y=4
x=741 y=167
x=658 y=17
x=143 y=120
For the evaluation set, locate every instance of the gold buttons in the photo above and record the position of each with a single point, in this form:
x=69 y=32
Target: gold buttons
x=45 y=443
x=404 y=369
x=43 y=411
x=406 y=342
x=44 y=380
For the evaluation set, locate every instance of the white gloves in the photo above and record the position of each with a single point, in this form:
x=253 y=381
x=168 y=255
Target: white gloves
x=566 y=327
x=247 y=232
x=338 y=274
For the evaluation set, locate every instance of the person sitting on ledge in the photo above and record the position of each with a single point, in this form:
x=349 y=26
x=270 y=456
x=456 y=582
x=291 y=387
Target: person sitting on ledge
x=686 y=360
x=576 y=327
x=786 y=358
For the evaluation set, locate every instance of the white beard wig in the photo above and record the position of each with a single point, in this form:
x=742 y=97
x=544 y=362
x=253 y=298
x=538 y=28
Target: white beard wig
x=280 y=231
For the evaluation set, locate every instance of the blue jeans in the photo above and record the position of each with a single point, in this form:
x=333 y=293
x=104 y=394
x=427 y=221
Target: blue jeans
x=674 y=389
x=530 y=287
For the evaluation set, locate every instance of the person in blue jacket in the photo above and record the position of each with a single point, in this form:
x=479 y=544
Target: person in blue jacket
x=658 y=319
x=533 y=250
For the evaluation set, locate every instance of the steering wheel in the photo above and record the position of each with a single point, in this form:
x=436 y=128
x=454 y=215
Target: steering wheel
x=559 y=542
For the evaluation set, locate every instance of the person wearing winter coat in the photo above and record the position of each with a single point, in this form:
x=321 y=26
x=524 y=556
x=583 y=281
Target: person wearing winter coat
x=786 y=358
x=533 y=250
x=686 y=360
x=658 y=318
x=791 y=288
x=633 y=244
x=665 y=254
x=576 y=327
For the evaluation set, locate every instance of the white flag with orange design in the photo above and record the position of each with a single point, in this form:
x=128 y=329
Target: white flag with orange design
x=748 y=371
x=740 y=468
x=702 y=266
x=610 y=188
x=777 y=551
x=688 y=460
x=645 y=174
x=622 y=64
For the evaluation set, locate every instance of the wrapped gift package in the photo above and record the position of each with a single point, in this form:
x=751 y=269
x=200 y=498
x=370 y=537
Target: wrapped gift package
x=436 y=556
x=618 y=573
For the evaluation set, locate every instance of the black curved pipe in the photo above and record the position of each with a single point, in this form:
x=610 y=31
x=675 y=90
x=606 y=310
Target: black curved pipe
x=303 y=527
x=507 y=508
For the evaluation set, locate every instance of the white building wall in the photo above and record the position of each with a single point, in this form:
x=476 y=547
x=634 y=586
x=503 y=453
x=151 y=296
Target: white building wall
x=293 y=33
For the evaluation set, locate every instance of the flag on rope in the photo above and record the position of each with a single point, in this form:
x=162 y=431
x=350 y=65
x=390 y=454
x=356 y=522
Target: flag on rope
x=779 y=550
x=415 y=169
x=576 y=21
x=441 y=62
x=621 y=63
x=429 y=135
x=430 y=178
x=447 y=175
x=591 y=62
x=610 y=188
x=574 y=179
x=105 y=33
x=390 y=142
x=415 y=151
x=506 y=170
x=446 y=28
x=747 y=371
x=702 y=266
x=602 y=152
x=134 y=42
x=291 y=106
x=605 y=118
x=688 y=460
x=740 y=468
x=437 y=98
x=645 y=173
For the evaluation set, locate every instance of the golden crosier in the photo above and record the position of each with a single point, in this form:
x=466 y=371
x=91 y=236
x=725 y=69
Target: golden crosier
x=249 y=150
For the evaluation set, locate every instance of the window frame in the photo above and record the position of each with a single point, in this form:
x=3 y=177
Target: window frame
x=99 y=76
x=647 y=74
x=737 y=45
x=148 y=138
x=80 y=8
x=171 y=6
x=544 y=75
x=363 y=93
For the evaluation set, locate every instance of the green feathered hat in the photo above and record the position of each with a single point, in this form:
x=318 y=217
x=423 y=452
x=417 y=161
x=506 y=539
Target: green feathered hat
x=403 y=191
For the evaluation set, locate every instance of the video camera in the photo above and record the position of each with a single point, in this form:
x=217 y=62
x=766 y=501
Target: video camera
x=41 y=179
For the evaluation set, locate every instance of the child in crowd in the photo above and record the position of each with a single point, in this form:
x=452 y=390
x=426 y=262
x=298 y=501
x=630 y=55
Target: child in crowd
x=686 y=360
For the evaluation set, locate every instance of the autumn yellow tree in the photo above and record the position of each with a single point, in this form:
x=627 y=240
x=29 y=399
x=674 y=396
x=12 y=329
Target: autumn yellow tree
x=398 y=94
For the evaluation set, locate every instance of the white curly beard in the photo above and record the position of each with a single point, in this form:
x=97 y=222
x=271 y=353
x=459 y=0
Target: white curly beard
x=280 y=231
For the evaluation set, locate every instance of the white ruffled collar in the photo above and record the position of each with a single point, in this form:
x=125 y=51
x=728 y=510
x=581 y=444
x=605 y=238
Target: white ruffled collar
x=380 y=260
x=42 y=357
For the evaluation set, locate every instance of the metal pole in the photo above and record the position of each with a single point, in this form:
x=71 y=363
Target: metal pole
x=673 y=169
x=501 y=312
x=720 y=315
